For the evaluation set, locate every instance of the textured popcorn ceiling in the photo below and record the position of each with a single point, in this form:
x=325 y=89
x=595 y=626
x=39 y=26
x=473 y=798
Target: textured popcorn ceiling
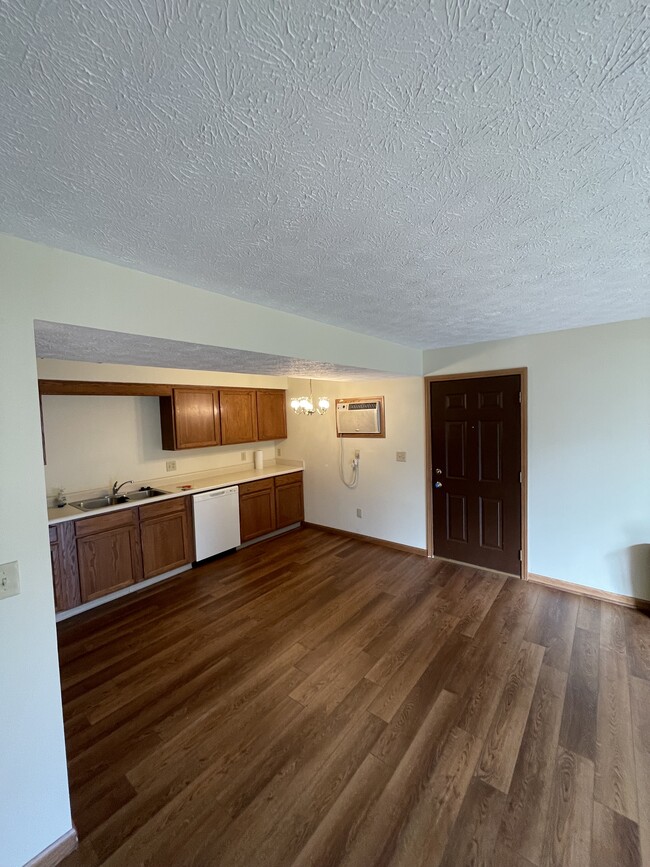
x=434 y=173
x=73 y=343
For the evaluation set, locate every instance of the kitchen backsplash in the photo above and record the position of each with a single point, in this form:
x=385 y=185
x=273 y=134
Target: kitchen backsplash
x=93 y=441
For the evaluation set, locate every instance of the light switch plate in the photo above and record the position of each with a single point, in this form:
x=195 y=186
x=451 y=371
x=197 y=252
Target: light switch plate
x=400 y=456
x=9 y=580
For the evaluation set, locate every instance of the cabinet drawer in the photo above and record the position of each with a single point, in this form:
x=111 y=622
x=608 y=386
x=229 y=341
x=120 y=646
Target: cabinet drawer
x=289 y=479
x=111 y=521
x=254 y=487
x=166 y=507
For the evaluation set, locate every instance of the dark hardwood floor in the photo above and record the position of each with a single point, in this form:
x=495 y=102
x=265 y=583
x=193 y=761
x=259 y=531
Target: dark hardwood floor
x=318 y=701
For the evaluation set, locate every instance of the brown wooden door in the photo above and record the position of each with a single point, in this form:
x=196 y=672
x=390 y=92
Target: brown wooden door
x=165 y=536
x=196 y=418
x=108 y=551
x=65 y=570
x=289 y=507
x=271 y=415
x=476 y=466
x=238 y=416
x=256 y=509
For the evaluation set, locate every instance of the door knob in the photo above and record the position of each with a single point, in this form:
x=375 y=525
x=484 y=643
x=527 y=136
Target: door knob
x=437 y=484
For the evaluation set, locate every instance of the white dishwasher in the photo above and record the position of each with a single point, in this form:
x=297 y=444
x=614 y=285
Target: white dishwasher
x=216 y=522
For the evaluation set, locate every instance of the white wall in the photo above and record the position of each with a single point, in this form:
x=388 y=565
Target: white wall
x=93 y=440
x=42 y=283
x=390 y=494
x=588 y=447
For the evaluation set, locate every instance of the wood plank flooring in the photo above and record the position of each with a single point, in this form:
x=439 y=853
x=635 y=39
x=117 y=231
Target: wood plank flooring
x=316 y=701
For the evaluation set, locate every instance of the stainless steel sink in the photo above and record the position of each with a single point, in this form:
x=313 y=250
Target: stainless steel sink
x=104 y=502
x=145 y=495
x=99 y=503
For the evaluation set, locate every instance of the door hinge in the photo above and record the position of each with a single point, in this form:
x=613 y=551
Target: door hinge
x=521 y=555
x=519 y=397
x=521 y=477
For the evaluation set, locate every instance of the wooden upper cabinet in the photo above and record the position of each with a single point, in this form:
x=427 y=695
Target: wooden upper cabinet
x=271 y=415
x=197 y=417
x=238 y=416
x=190 y=418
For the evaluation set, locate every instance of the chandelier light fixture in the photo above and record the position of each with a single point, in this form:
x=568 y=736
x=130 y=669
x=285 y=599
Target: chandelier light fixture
x=307 y=406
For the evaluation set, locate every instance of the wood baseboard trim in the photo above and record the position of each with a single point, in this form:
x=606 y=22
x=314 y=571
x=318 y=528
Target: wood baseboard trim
x=591 y=592
x=408 y=549
x=55 y=853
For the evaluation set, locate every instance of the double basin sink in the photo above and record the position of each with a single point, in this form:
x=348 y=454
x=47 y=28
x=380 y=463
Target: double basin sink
x=119 y=500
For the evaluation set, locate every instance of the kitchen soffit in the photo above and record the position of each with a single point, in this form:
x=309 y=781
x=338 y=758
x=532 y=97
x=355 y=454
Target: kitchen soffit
x=76 y=343
x=430 y=173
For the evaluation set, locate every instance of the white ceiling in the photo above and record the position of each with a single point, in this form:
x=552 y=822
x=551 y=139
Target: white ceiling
x=434 y=173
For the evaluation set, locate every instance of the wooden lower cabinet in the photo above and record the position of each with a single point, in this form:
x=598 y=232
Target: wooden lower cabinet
x=269 y=505
x=108 y=551
x=289 y=505
x=65 y=570
x=256 y=509
x=166 y=536
x=98 y=555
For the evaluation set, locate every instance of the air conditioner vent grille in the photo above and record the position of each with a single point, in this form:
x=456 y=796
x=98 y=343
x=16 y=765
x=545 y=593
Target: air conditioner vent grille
x=360 y=417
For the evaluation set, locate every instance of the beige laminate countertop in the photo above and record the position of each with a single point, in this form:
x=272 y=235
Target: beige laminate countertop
x=198 y=482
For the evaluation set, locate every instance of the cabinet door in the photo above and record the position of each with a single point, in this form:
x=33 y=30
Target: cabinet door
x=289 y=507
x=256 y=509
x=56 y=575
x=165 y=536
x=196 y=418
x=65 y=571
x=108 y=550
x=271 y=415
x=238 y=416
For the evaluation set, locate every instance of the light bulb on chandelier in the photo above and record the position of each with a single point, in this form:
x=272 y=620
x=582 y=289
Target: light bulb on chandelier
x=306 y=406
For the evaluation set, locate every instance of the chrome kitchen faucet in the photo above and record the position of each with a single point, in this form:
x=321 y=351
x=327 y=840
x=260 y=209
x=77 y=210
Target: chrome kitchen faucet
x=116 y=487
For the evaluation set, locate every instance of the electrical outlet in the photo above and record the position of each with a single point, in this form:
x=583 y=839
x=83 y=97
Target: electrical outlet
x=170 y=466
x=359 y=513
x=243 y=456
x=401 y=457
x=9 y=580
x=278 y=453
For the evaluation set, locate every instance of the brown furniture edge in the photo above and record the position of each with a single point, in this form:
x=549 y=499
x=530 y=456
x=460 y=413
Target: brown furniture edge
x=591 y=592
x=112 y=389
x=408 y=549
x=54 y=854
x=125 y=389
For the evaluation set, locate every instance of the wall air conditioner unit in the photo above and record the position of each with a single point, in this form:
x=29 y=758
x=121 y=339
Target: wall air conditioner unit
x=360 y=417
